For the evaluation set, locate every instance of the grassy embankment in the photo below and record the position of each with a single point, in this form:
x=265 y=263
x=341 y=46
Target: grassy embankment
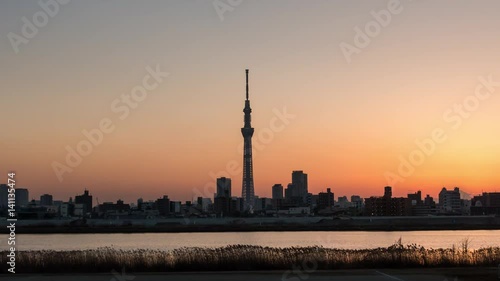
x=244 y=257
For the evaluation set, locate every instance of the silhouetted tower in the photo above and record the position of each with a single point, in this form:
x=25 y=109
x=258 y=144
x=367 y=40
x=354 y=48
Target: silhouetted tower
x=247 y=131
x=388 y=192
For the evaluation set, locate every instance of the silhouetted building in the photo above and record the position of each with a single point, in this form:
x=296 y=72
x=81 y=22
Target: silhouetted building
x=163 y=205
x=222 y=206
x=326 y=199
x=22 y=197
x=357 y=202
x=222 y=200
x=388 y=191
x=247 y=190
x=292 y=196
x=343 y=203
x=204 y=203
x=429 y=201
x=421 y=207
x=449 y=201
x=382 y=206
x=299 y=182
x=289 y=191
x=486 y=204
x=416 y=198
x=175 y=207
x=223 y=187
x=263 y=204
x=278 y=203
x=86 y=200
x=46 y=200
x=277 y=191
x=237 y=205
x=4 y=196
x=417 y=205
x=67 y=209
x=387 y=205
x=465 y=205
x=109 y=208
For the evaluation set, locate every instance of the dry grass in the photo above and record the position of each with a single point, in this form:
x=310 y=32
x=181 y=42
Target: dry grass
x=243 y=257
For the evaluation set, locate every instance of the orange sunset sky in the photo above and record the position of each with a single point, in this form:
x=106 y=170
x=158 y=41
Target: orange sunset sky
x=352 y=120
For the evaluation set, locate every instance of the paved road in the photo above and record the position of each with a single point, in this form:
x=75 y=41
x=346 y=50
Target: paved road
x=461 y=274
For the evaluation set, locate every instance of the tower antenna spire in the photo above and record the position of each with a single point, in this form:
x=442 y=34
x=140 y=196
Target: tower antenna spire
x=246 y=70
x=247 y=192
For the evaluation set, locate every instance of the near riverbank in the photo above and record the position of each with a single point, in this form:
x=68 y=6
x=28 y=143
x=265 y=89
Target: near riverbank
x=252 y=258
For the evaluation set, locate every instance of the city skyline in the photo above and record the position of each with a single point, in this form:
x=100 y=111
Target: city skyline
x=345 y=134
x=223 y=188
x=137 y=144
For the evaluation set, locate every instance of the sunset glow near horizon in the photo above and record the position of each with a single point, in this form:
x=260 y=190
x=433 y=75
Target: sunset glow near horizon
x=432 y=74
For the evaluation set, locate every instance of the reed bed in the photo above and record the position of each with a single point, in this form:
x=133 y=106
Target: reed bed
x=245 y=257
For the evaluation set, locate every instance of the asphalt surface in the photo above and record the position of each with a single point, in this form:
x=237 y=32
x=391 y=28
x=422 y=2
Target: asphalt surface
x=448 y=274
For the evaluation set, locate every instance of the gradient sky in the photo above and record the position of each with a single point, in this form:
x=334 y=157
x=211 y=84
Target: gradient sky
x=353 y=120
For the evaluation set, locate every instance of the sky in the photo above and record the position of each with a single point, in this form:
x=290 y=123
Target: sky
x=357 y=94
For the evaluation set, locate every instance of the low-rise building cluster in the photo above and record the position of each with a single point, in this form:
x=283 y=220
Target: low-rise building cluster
x=295 y=200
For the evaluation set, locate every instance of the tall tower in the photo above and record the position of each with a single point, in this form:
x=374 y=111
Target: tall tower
x=247 y=191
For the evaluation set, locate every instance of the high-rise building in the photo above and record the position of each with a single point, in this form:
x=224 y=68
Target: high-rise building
x=222 y=200
x=22 y=197
x=299 y=181
x=223 y=187
x=449 y=201
x=247 y=192
x=46 y=200
x=294 y=195
x=86 y=200
x=277 y=191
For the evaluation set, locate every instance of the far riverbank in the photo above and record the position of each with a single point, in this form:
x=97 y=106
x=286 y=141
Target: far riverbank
x=177 y=225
